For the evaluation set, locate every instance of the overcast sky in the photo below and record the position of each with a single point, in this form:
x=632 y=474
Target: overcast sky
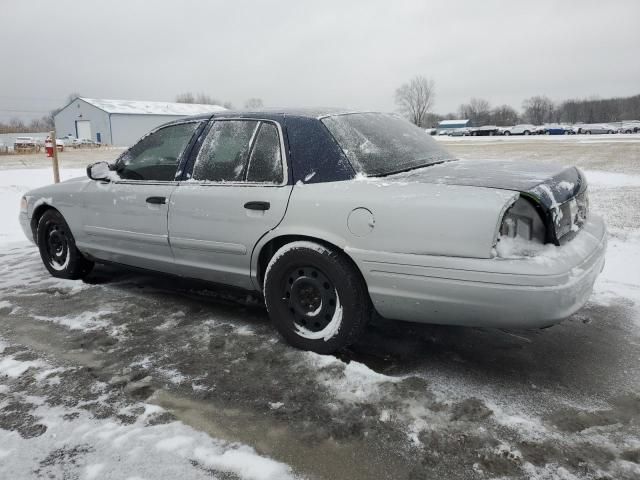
x=315 y=53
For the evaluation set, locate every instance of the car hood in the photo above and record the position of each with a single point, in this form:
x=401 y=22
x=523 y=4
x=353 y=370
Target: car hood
x=549 y=183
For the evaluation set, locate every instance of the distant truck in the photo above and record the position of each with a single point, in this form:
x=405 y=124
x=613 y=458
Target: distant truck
x=26 y=145
x=484 y=131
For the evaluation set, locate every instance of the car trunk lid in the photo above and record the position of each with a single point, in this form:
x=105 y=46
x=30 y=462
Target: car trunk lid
x=558 y=191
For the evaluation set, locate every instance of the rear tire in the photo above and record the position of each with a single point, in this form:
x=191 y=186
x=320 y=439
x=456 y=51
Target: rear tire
x=315 y=297
x=58 y=248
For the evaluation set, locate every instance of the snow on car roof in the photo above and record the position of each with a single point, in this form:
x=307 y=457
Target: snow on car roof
x=445 y=123
x=151 y=108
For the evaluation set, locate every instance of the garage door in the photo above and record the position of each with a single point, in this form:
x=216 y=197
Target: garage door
x=83 y=128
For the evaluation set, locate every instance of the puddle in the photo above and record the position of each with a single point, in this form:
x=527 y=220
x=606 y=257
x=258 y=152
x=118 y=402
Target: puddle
x=328 y=459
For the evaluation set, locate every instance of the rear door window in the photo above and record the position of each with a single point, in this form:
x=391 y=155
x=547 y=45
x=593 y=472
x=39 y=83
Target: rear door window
x=225 y=151
x=265 y=162
x=239 y=151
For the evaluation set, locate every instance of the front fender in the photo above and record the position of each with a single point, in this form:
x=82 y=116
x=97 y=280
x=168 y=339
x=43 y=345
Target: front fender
x=66 y=197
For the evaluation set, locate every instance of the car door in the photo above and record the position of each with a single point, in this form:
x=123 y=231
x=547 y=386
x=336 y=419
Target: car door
x=237 y=191
x=125 y=220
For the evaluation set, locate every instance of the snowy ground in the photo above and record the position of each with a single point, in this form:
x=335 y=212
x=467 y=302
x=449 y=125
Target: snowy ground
x=135 y=376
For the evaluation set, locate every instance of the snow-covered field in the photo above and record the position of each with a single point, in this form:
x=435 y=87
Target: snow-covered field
x=142 y=377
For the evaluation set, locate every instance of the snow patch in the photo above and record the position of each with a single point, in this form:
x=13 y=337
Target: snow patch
x=84 y=321
x=10 y=367
x=600 y=179
x=352 y=382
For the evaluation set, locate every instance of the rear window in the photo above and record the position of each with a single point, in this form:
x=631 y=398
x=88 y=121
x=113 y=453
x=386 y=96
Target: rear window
x=382 y=144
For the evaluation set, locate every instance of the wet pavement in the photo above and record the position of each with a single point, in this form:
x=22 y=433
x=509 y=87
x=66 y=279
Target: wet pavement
x=409 y=401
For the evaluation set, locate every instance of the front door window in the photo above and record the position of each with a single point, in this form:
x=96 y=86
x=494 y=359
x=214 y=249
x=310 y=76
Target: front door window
x=157 y=155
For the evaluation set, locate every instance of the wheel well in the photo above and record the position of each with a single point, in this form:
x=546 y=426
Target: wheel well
x=273 y=245
x=36 y=216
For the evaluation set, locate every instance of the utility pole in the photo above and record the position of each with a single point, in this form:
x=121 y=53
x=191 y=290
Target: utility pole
x=54 y=158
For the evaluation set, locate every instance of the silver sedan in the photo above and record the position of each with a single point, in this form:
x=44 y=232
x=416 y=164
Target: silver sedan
x=331 y=216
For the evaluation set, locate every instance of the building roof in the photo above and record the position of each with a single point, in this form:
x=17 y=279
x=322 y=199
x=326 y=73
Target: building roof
x=453 y=123
x=139 y=107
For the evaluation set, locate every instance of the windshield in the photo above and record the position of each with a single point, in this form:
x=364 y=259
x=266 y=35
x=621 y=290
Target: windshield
x=382 y=143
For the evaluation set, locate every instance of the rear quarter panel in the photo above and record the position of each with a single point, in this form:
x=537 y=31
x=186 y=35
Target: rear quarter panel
x=410 y=218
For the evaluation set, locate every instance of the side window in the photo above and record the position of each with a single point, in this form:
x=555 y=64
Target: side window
x=224 y=153
x=265 y=163
x=156 y=156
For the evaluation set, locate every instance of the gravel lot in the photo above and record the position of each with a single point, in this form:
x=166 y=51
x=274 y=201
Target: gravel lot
x=128 y=375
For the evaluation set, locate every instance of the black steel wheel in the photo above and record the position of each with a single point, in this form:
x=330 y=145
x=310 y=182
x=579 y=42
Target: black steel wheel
x=58 y=248
x=315 y=297
x=311 y=297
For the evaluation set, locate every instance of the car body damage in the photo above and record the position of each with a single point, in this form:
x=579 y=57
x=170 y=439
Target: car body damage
x=549 y=187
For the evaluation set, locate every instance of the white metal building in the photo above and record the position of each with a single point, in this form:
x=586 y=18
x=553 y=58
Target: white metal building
x=120 y=122
x=447 y=126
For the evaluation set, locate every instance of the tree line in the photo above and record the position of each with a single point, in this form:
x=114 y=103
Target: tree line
x=416 y=98
x=205 y=99
x=16 y=125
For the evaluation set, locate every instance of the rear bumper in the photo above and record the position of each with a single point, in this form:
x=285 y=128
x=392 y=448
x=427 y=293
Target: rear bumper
x=507 y=293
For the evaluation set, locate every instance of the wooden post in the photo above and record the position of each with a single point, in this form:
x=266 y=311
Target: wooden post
x=56 y=166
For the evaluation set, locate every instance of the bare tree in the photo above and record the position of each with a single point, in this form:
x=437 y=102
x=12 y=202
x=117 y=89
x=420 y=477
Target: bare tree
x=186 y=97
x=253 y=103
x=72 y=96
x=504 y=115
x=415 y=99
x=201 y=98
x=478 y=110
x=538 y=109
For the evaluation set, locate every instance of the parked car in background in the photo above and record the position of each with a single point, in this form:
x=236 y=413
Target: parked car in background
x=632 y=126
x=245 y=199
x=597 y=128
x=26 y=145
x=60 y=144
x=431 y=131
x=522 y=129
x=485 y=130
x=84 y=143
x=502 y=130
x=459 y=132
x=552 y=129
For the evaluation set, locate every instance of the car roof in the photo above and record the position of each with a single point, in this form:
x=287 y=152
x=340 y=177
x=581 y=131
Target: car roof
x=316 y=113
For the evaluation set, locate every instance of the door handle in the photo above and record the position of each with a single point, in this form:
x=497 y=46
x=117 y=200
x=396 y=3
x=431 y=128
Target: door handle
x=157 y=200
x=257 y=205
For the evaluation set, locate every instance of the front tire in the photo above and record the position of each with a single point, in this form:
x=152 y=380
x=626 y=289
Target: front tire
x=315 y=297
x=58 y=248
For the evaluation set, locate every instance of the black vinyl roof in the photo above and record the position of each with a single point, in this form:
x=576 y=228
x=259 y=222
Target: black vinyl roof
x=315 y=113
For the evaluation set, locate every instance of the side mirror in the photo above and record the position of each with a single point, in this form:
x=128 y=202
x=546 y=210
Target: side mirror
x=99 y=171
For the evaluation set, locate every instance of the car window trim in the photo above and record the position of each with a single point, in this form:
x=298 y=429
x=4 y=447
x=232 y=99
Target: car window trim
x=184 y=154
x=283 y=156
